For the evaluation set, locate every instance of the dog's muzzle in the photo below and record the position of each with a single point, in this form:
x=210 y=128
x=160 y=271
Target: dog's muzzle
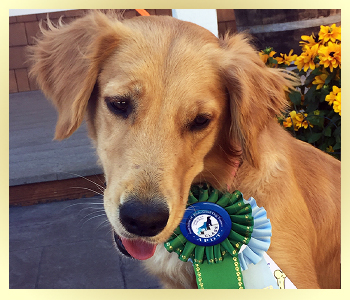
x=141 y=219
x=144 y=218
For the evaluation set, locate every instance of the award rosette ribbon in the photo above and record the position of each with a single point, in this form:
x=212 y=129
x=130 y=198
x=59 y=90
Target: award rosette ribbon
x=222 y=234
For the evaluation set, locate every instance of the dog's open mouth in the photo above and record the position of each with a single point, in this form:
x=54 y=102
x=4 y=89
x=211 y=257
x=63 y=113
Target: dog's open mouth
x=135 y=248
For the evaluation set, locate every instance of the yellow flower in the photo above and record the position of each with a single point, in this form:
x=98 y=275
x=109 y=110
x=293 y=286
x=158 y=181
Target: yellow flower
x=265 y=56
x=334 y=98
x=329 y=149
x=337 y=104
x=305 y=123
x=288 y=122
x=286 y=59
x=330 y=56
x=331 y=97
x=319 y=80
x=332 y=33
x=306 y=59
x=307 y=40
x=301 y=120
x=298 y=120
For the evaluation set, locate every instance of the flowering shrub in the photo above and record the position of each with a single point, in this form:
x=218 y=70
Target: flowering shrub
x=316 y=103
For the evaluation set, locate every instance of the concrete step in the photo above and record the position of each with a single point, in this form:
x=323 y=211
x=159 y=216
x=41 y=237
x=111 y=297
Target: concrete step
x=34 y=156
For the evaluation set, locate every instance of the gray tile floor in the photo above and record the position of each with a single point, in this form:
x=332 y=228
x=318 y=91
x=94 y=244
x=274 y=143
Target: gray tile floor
x=69 y=245
x=60 y=245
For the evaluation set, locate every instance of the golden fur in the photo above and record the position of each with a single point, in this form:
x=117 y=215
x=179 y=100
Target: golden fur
x=174 y=71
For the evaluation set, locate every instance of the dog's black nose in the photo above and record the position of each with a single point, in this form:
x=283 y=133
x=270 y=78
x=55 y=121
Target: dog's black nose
x=144 y=218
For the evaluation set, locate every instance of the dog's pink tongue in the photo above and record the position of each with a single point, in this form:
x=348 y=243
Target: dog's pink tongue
x=139 y=249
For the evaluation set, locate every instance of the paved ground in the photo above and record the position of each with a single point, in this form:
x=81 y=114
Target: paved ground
x=60 y=245
x=69 y=245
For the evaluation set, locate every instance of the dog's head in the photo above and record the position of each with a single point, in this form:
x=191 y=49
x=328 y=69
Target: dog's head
x=167 y=104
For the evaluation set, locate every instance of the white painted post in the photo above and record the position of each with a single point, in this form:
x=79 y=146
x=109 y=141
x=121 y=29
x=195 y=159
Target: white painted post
x=206 y=18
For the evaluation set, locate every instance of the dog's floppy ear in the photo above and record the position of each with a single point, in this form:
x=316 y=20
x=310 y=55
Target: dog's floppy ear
x=66 y=61
x=256 y=92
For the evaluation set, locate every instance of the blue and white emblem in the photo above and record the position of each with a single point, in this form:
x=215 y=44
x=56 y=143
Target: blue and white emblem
x=205 y=224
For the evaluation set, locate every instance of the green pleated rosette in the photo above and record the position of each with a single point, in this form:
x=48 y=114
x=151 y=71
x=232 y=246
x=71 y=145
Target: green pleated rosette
x=241 y=227
x=214 y=253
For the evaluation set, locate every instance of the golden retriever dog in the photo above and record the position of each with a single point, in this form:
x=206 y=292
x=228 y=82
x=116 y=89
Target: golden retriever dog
x=168 y=105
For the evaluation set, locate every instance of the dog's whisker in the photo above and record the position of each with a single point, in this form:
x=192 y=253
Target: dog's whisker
x=103 y=184
x=72 y=205
x=98 y=216
x=83 y=203
x=104 y=223
x=95 y=209
x=110 y=231
x=87 y=216
x=100 y=187
x=94 y=212
x=103 y=226
x=85 y=188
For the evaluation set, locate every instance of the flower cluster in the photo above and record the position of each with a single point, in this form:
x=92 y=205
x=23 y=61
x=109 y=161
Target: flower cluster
x=334 y=98
x=297 y=120
x=267 y=56
x=316 y=117
x=325 y=52
x=287 y=59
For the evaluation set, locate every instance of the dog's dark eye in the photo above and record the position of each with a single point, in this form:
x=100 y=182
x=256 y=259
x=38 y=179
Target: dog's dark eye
x=200 y=122
x=119 y=105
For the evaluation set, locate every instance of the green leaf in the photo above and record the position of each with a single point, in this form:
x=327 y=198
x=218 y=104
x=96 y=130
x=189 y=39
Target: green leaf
x=309 y=79
x=320 y=113
x=317 y=71
x=311 y=107
x=295 y=97
x=310 y=95
x=337 y=146
x=337 y=132
x=316 y=120
x=323 y=147
x=329 y=78
x=335 y=118
x=302 y=138
x=328 y=131
x=273 y=61
x=314 y=137
x=324 y=92
x=330 y=140
x=338 y=139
